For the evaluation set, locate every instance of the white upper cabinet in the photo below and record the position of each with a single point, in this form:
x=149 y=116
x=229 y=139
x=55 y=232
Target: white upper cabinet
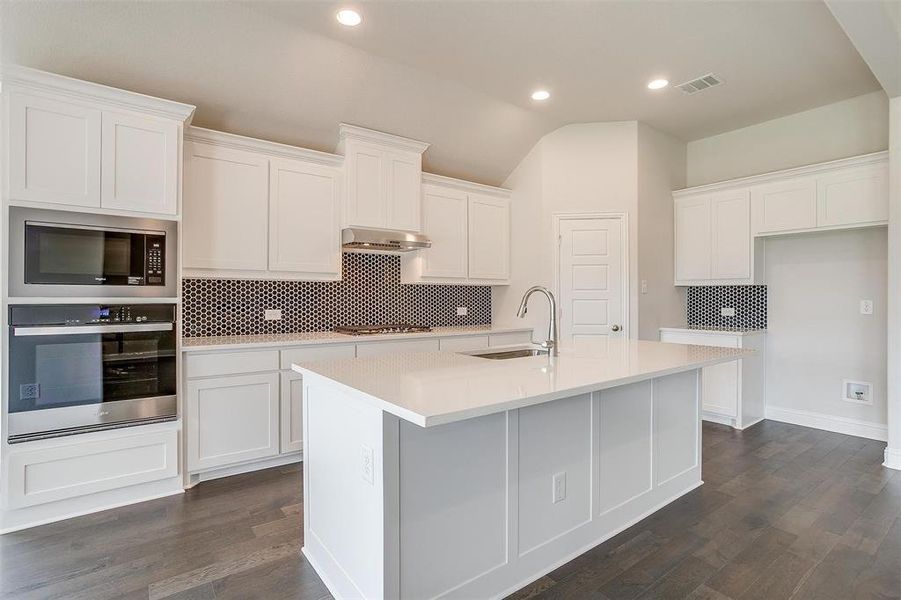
x=692 y=221
x=139 y=163
x=258 y=209
x=730 y=240
x=383 y=174
x=225 y=214
x=853 y=196
x=304 y=221
x=54 y=151
x=489 y=238
x=444 y=219
x=784 y=205
x=79 y=144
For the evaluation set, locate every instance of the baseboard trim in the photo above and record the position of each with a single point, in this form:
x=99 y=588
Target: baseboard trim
x=805 y=418
x=892 y=459
x=717 y=418
x=267 y=463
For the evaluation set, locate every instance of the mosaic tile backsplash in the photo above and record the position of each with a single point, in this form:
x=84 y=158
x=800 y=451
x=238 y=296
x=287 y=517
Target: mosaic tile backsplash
x=369 y=294
x=749 y=301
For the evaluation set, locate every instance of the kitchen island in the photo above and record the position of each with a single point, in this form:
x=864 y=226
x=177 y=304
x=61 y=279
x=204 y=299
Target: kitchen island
x=442 y=474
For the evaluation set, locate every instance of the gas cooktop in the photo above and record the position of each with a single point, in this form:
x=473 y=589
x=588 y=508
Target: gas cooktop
x=377 y=329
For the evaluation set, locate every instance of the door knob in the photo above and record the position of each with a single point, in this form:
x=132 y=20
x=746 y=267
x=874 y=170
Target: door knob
x=615 y=328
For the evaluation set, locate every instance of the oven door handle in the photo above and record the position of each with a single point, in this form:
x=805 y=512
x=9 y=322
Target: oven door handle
x=87 y=329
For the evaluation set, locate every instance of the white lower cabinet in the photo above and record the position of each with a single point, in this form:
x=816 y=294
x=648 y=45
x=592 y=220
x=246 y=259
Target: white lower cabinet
x=232 y=420
x=464 y=343
x=291 y=412
x=733 y=392
x=397 y=347
x=508 y=338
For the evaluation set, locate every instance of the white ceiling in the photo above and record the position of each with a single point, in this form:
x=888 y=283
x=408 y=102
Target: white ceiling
x=455 y=74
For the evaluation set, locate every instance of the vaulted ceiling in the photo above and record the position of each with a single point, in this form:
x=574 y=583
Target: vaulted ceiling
x=455 y=74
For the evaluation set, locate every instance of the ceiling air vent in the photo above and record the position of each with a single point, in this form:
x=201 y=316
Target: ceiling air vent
x=700 y=84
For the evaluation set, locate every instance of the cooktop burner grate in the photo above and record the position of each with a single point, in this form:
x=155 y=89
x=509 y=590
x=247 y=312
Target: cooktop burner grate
x=377 y=329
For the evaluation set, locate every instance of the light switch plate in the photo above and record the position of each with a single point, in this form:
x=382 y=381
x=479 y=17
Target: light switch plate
x=727 y=311
x=559 y=487
x=644 y=286
x=866 y=307
x=272 y=314
x=366 y=464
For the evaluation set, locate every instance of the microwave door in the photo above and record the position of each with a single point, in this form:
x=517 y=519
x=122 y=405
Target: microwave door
x=82 y=256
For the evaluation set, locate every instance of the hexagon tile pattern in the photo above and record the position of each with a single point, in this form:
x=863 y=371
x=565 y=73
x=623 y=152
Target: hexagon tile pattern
x=369 y=294
x=749 y=301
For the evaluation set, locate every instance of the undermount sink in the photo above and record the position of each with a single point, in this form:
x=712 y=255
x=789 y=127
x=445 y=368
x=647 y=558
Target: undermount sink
x=503 y=354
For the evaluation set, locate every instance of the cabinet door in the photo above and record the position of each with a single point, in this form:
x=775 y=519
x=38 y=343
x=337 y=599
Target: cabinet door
x=855 y=195
x=366 y=350
x=225 y=213
x=730 y=215
x=304 y=224
x=404 y=189
x=291 y=412
x=784 y=206
x=489 y=238
x=54 y=151
x=232 y=420
x=444 y=220
x=366 y=186
x=692 y=219
x=139 y=164
x=720 y=388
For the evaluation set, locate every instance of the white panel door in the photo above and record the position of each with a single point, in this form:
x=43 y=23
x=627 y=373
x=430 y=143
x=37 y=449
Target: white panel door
x=232 y=420
x=489 y=238
x=858 y=195
x=226 y=208
x=304 y=221
x=784 y=206
x=54 y=151
x=404 y=191
x=444 y=221
x=139 y=164
x=366 y=186
x=730 y=215
x=692 y=219
x=591 y=279
x=291 y=412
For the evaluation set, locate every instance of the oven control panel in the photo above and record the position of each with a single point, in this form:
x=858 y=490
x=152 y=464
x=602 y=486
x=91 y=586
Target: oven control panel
x=91 y=314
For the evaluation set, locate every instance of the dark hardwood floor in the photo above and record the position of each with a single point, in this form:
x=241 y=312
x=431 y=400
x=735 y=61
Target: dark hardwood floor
x=785 y=512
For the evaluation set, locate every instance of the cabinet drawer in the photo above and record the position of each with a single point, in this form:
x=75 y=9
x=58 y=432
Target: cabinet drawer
x=299 y=355
x=397 y=347
x=512 y=337
x=230 y=363
x=701 y=339
x=88 y=467
x=464 y=342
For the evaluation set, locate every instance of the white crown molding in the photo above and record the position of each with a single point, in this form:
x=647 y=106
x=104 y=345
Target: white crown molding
x=361 y=134
x=466 y=186
x=240 y=142
x=832 y=165
x=42 y=81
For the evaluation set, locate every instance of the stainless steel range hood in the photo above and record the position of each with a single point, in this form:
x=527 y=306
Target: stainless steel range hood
x=355 y=238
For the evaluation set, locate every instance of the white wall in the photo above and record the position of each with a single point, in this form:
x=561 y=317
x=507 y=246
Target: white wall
x=848 y=128
x=816 y=334
x=661 y=169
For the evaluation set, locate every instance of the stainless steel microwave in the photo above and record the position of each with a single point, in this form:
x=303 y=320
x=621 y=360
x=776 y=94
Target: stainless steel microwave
x=55 y=253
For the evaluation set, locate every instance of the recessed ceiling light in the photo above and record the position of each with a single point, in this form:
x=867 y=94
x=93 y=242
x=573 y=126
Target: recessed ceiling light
x=541 y=95
x=658 y=84
x=348 y=17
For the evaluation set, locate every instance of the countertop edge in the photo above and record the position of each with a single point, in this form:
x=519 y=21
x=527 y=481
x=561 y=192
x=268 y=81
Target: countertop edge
x=505 y=405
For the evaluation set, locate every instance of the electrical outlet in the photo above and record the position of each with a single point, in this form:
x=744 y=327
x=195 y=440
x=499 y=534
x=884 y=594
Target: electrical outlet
x=866 y=307
x=462 y=311
x=366 y=464
x=29 y=391
x=272 y=314
x=727 y=311
x=559 y=487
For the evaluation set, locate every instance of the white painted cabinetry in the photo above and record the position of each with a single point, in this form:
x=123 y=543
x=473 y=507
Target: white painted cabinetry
x=291 y=417
x=692 y=220
x=76 y=144
x=260 y=210
x=489 y=238
x=733 y=392
x=383 y=174
x=853 y=196
x=785 y=205
x=444 y=219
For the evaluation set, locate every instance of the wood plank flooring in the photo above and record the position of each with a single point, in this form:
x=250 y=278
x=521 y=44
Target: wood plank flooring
x=785 y=512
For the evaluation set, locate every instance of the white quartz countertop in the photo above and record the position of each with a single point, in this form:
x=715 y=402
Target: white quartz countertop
x=714 y=330
x=206 y=344
x=433 y=388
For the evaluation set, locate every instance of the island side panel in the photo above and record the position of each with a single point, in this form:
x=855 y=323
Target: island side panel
x=478 y=513
x=344 y=491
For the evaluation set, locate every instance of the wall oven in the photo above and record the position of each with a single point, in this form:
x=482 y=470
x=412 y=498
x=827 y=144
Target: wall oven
x=55 y=253
x=76 y=368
